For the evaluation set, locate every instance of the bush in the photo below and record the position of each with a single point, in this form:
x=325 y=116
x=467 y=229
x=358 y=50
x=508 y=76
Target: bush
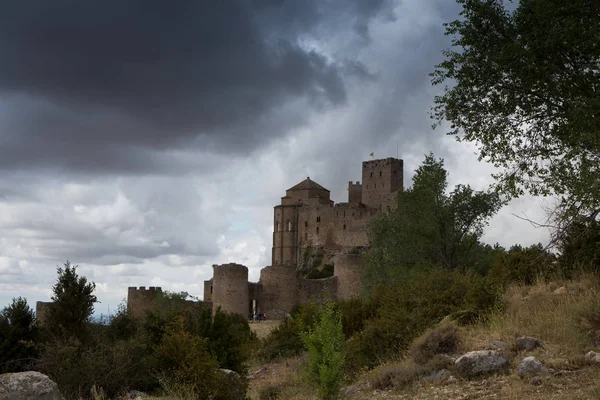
x=325 y=344
x=285 y=340
x=18 y=334
x=231 y=340
x=113 y=366
x=184 y=365
x=442 y=339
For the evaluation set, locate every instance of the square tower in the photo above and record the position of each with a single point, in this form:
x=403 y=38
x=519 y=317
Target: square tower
x=380 y=178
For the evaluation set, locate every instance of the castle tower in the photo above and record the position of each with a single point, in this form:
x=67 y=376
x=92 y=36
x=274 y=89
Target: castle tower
x=285 y=219
x=230 y=289
x=380 y=178
x=141 y=300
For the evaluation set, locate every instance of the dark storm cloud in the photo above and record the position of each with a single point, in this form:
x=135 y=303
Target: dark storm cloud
x=93 y=83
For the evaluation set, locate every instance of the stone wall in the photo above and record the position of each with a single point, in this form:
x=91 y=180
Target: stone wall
x=230 y=288
x=278 y=290
x=339 y=227
x=208 y=289
x=316 y=290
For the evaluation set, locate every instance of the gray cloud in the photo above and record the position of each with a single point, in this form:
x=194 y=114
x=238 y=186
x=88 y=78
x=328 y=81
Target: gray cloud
x=147 y=143
x=97 y=85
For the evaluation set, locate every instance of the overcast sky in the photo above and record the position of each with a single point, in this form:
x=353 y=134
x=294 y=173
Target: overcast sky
x=147 y=140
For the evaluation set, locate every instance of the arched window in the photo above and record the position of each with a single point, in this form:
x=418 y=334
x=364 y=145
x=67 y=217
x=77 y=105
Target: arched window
x=380 y=173
x=317 y=230
x=306 y=224
x=289 y=226
x=344 y=226
x=278 y=227
x=305 y=235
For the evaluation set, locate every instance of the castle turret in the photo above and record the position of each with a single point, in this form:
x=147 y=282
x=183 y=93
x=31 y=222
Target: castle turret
x=381 y=178
x=230 y=289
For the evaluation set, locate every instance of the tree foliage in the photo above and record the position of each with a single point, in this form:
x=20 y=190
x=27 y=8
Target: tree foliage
x=429 y=227
x=73 y=302
x=525 y=86
x=17 y=336
x=325 y=344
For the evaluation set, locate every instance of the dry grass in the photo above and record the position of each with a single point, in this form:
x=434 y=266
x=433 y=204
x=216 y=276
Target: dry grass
x=263 y=328
x=579 y=385
x=537 y=311
x=529 y=311
x=285 y=376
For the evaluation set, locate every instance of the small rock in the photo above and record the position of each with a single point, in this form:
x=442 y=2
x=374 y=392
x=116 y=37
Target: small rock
x=28 y=385
x=528 y=343
x=437 y=376
x=481 y=362
x=536 y=380
x=562 y=291
x=498 y=344
x=531 y=366
x=593 y=356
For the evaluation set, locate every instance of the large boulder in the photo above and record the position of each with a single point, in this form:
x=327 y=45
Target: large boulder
x=481 y=362
x=531 y=366
x=28 y=385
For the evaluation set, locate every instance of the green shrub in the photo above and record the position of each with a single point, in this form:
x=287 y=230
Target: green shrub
x=18 y=334
x=325 y=344
x=231 y=340
x=442 y=339
x=184 y=364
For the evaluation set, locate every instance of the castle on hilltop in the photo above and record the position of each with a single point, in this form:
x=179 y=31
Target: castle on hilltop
x=308 y=228
x=308 y=222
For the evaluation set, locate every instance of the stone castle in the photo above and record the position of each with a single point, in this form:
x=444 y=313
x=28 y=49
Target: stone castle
x=307 y=222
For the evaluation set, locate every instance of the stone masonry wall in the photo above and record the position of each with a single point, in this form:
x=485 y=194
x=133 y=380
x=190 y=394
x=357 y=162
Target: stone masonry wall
x=316 y=290
x=278 y=290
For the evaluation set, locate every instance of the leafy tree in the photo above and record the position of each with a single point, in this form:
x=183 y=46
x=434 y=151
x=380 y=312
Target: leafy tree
x=325 y=344
x=73 y=302
x=429 y=227
x=17 y=336
x=525 y=86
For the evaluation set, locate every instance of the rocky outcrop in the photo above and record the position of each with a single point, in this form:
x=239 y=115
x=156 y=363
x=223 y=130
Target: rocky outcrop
x=481 y=362
x=531 y=366
x=28 y=385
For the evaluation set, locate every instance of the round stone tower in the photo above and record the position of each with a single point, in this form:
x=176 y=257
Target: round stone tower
x=230 y=288
x=347 y=269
